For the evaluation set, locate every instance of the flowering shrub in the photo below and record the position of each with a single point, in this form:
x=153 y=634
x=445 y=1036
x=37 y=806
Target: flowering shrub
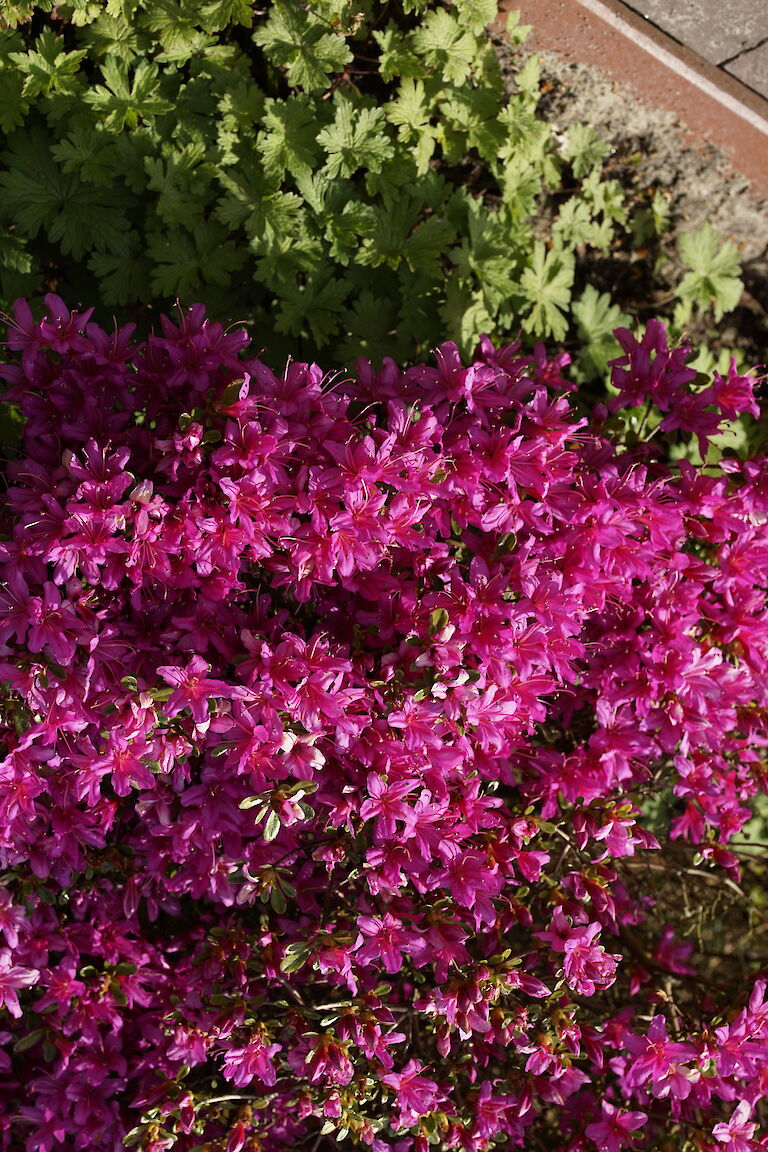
x=366 y=744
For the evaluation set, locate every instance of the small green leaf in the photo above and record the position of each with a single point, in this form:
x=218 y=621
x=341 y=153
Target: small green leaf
x=126 y=101
x=713 y=280
x=585 y=149
x=597 y=317
x=296 y=956
x=546 y=283
x=278 y=901
x=272 y=826
x=445 y=45
x=49 y=68
x=301 y=42
x=288 y=141
x=356 y=139
x=438 y=620
x=396 y=55
x=476 y=14
x=29 y=1040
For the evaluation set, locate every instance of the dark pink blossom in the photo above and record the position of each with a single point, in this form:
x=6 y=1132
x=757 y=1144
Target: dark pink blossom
x=12 y=978
x=614 y=1131
x=415 y=1094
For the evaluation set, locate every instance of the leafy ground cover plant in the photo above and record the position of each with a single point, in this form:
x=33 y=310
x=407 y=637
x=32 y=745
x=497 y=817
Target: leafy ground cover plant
x=345 y=174
x=376 y=752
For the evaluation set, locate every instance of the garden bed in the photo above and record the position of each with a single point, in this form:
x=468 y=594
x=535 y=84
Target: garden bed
x=649 y=154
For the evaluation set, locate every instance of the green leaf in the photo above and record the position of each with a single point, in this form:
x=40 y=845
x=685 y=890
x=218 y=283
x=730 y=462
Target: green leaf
x=346 y=227
x=486 y=257
x=113 y=36
x=585 y=150
x=80 y=12
x=473 y=111
x=249 y=801
x=90 y=218
x=396 y=235
x=125 y=273
x=124 y=102
x=49 y=68
x=237 y=111
x=391 y=234
x=38 y=195
x=713 y=280
x=596 y=317
x=528 y=79
x=650 y=219
x=476 y=14
x=87 y=152
x=466 y=313
x=546 y=283
x=13 y=106
x=516 y=32
x=182 y=180
x=175 y=24
x=397 y=57
x=21 y=11
x=296 y=956
x=300 y=42
x=288 y=140
x=427 y=245
x=371 y=321
x=576 y=225
x=606 y=196
x=443 y=44
x=29 y=1040
x=314 y=307
x=272 y=826
x=356 y=139
x=438 y=620
x=523 y=135
x=255 y=202
x=185 y=260
x=219 y=14
x=411 y=110
x=13 y=252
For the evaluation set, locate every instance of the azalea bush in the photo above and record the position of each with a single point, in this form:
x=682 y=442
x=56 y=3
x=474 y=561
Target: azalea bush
x=377 y=751
x=354 y=175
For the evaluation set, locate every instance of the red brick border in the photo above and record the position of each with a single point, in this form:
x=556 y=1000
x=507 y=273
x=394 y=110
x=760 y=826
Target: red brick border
x=712 y=105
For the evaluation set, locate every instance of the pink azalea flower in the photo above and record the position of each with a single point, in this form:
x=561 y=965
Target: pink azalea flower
x=12 y=978
x=415 y=1094
x=192 y=689
x=736 y=1134
x=249 y=1061
x=659 y=1063
x=614 y=1131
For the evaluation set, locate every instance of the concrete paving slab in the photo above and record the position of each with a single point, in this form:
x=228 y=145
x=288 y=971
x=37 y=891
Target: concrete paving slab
x=752 y=69
x=717 y=29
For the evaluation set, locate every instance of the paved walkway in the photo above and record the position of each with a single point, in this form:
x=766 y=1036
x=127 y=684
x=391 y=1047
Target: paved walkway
x=733 y=34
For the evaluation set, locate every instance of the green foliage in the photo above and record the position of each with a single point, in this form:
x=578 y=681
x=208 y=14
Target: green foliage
x=303 y=43
x=546 y=284
x=596 y=318
x=344 y=172
x=713 y=279
x=585 y=150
